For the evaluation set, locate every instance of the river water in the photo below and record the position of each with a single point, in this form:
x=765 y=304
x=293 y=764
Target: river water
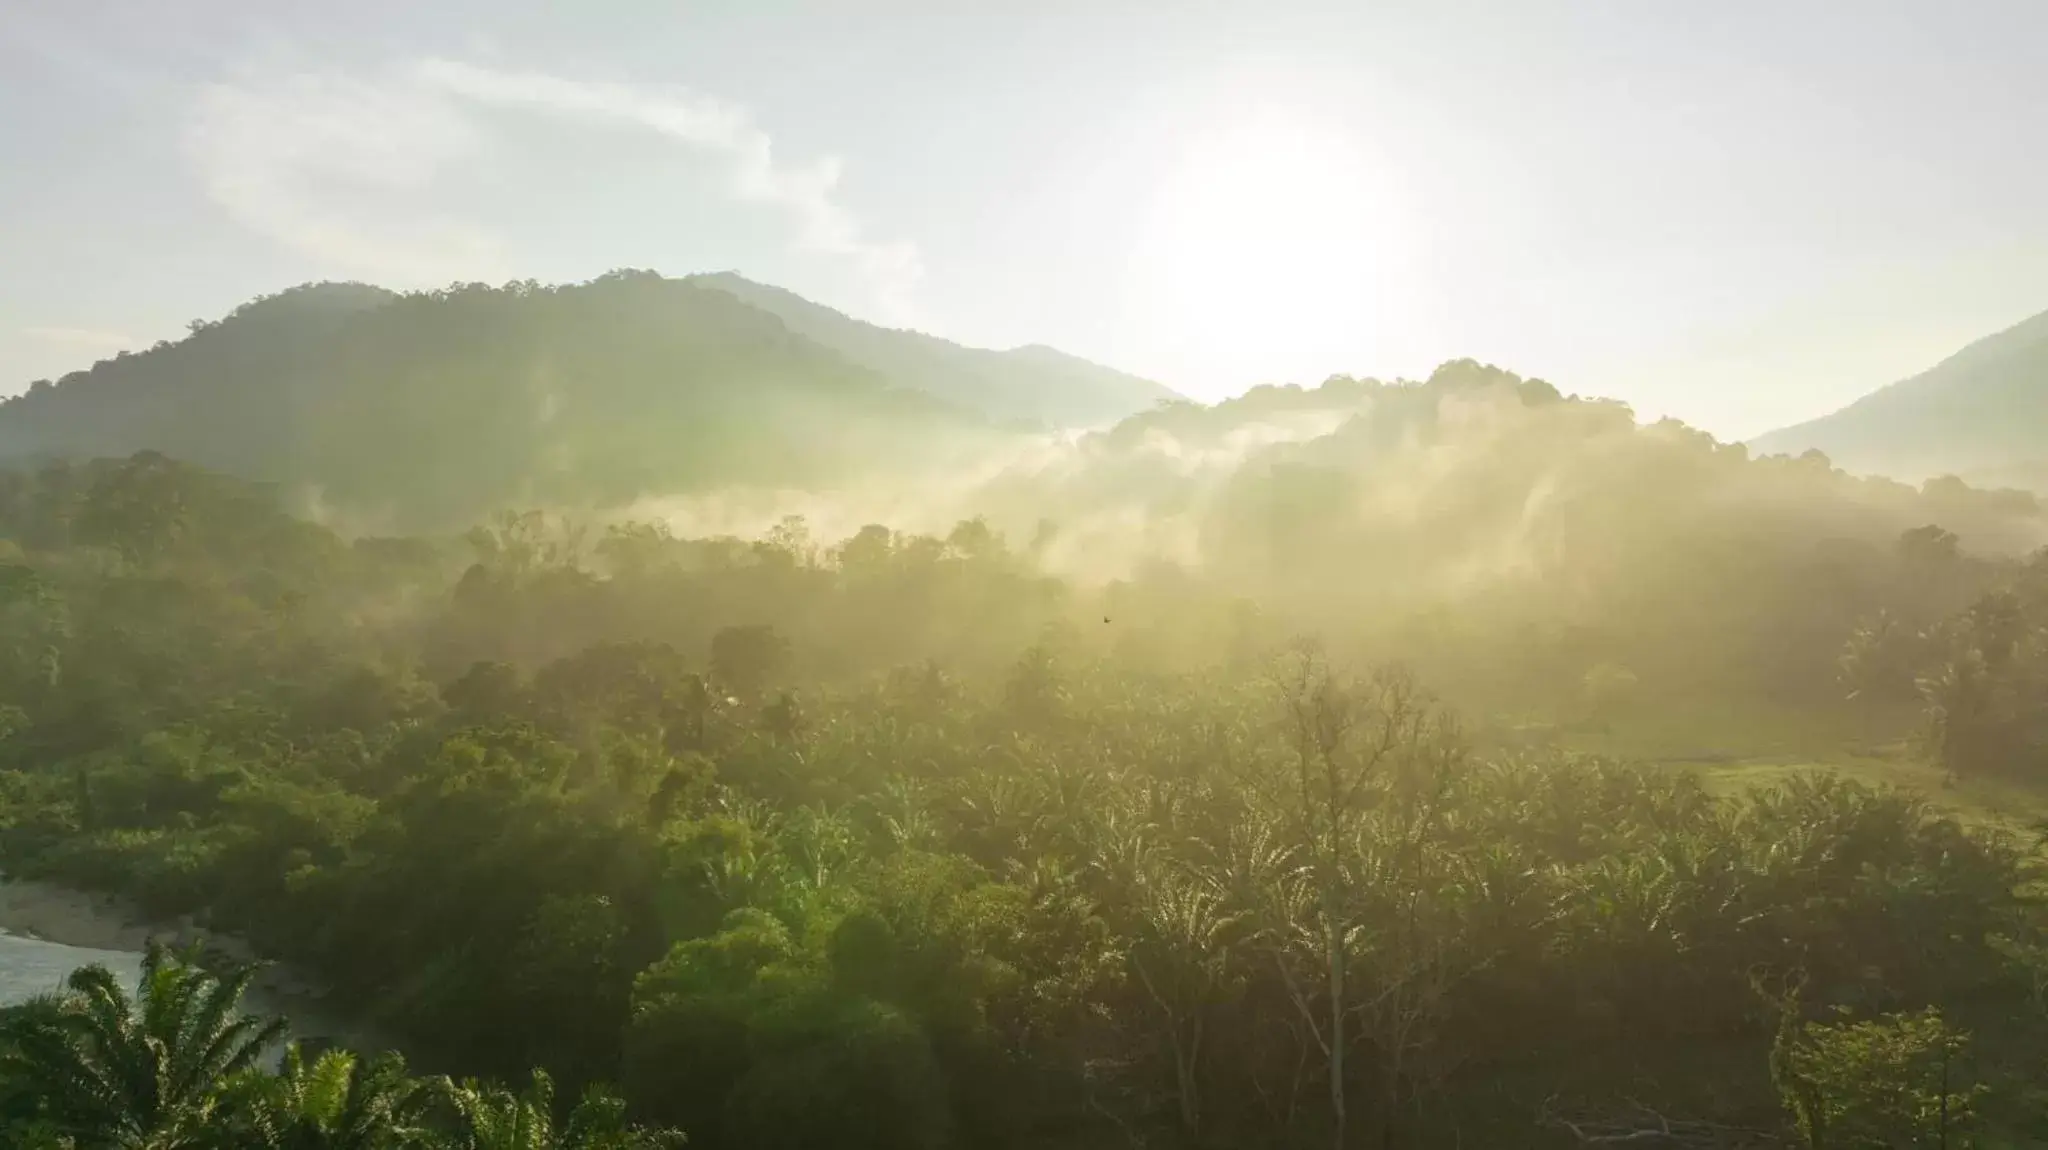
x=47 y=931
x=30 y=966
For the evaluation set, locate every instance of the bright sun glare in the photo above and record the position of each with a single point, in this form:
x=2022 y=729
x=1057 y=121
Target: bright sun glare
x=1268 y=241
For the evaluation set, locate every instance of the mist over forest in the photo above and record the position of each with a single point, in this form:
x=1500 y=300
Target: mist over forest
x=791 y=732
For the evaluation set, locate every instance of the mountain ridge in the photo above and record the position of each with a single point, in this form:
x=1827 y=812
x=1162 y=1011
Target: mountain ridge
x=451 y=403
x=1980 y=412
x=1011 y=384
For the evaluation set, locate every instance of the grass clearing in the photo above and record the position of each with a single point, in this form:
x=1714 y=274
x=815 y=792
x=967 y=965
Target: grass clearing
x=1736 y=748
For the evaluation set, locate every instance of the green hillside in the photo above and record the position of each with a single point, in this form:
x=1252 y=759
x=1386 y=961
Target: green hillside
x=1982 y=414
x=1034 y=384
x=435 y=408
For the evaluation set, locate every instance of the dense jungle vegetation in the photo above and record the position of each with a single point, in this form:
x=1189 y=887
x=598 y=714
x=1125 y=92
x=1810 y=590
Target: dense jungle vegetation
x=1247 y=801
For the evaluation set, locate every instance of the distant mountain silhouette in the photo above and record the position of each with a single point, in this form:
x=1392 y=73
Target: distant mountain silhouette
x=1032 y=383
x=1981 y=414
x=433 y=408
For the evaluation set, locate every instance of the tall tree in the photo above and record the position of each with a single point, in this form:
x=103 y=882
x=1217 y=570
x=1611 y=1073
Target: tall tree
x=338 y=1101
x=490 y=1117
x=144 y=1072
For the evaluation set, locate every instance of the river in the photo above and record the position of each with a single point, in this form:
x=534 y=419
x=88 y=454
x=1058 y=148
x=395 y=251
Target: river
x=47 y=931
x=30 y=966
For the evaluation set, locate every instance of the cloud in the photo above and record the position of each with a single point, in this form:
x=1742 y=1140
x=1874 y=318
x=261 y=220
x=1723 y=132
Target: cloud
x=88 y=338
x=331 y=165
x=323 y=163
x=804 y=192
x=67 y=51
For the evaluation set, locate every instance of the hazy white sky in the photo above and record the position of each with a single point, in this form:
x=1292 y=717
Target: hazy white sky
x=1741 y=213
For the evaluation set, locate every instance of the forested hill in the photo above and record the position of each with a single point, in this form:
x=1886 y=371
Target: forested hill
x=432 y=409
x=1982 y=413
x=1034 y=383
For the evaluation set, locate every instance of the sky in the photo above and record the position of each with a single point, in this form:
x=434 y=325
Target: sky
x=1740 y=214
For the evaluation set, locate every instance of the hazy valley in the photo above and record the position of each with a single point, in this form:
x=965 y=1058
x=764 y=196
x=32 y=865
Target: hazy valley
x=830 y=733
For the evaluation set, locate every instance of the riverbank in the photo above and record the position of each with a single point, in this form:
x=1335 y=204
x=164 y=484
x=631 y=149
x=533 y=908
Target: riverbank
x=48 y=912
x=52 y=913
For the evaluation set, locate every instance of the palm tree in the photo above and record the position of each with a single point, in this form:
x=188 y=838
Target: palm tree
x=142 y=1073
x=336 y=1102
x=490 y=1117
x=23 y=1121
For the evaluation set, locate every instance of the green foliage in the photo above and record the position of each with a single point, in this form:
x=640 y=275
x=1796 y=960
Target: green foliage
x=178 y=1067
x=843 y=1072
x=1894 y=1081
x=138 y=508
x=338 y=1101
x=147 y=1071
x=748 y=658
x=902 y=841
x=491 y=1117
x=1982 y=671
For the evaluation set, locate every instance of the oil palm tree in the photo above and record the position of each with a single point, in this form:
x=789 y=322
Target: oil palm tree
x=140 y=1073
x=337 y=1101
x=490 y=1117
